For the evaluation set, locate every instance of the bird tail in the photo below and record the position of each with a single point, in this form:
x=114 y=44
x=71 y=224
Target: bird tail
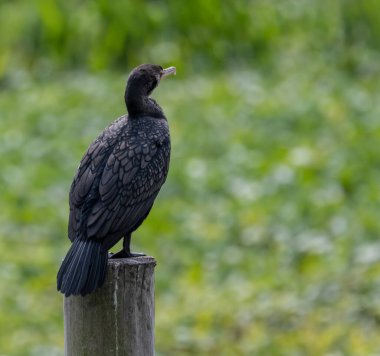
x=84 y=268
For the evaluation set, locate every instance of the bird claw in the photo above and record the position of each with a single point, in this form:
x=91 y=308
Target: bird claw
x=125 y=254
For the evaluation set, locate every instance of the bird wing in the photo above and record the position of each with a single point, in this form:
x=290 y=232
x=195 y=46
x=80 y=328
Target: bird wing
x=89 y=171
x=130 y=182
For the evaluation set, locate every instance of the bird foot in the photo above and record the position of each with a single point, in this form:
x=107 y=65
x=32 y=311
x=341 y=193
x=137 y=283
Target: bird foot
x=125 y=254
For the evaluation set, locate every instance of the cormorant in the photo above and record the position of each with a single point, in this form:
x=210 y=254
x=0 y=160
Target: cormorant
x=116 y=184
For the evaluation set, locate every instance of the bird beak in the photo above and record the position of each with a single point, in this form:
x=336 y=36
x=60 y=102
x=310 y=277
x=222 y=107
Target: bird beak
x=168 y=71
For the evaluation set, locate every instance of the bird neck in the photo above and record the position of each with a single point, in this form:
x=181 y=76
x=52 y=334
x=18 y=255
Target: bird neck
x=139 y=104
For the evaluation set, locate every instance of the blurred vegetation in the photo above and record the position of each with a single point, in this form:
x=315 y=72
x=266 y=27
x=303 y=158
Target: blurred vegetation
x=100 y=35
x=267 y=230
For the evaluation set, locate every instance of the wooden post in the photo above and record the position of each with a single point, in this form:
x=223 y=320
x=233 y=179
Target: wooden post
x=117 y=319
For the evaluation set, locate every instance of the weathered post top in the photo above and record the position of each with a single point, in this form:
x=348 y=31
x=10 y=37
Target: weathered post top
x=117 y=319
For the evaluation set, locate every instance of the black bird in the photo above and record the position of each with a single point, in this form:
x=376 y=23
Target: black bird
x=116 y=184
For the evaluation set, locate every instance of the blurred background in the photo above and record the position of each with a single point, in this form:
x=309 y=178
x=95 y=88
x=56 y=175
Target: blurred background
x=267 y=230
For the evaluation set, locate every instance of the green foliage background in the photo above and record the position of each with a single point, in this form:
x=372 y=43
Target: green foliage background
x=266 y=232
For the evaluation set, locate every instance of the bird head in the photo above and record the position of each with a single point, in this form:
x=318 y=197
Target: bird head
x=145 y=78
x=141 y=82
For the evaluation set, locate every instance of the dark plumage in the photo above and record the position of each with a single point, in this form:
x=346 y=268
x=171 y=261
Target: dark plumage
x=116 y=184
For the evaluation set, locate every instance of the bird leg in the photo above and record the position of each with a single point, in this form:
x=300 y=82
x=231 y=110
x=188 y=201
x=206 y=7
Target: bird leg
x=126 y=251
